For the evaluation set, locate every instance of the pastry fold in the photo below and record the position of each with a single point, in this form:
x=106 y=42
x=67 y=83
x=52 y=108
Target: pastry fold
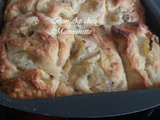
x=46 y=51
x=139 y=50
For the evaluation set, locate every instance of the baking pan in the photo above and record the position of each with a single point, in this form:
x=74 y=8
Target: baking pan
x=153 y=15
x=88 y=106
x=95 y=105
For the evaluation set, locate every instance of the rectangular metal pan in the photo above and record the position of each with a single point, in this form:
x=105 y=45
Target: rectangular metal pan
x=95 y=105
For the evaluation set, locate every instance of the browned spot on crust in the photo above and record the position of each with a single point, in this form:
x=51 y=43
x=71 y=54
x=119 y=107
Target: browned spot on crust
x=125 y=35
x=116 y=2
x=28 y=86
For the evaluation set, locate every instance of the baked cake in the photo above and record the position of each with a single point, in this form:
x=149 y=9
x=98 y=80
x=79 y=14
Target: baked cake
x=52 y=48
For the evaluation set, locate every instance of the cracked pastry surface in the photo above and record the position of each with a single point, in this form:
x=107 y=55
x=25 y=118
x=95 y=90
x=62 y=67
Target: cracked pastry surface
x=27 y=43
x=104 y=11
x=31 y=84
x=139 y=50
x=119 y=54
x=94 y=66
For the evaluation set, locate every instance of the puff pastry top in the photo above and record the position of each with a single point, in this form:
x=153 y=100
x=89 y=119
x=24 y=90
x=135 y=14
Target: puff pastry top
x=139 y=50
x=116 y=56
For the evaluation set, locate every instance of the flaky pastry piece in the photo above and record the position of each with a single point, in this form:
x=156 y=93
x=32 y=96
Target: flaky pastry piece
x=31 y=84
x=132 y=10
x=106 y=12
x=37 y=63
x=111 y=12
x=51 y=8
x=139 y=50
x=27 y=43
x=94 y=66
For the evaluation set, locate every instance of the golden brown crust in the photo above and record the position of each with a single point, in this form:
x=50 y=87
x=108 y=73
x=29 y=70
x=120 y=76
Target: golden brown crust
x=127 y=49
x=35 y=62
x=94 y=66
x=28 y=43
x=131 y=38
x=106 y=43
x=126 y=10
x=51 y=8
x=6 y=69
x=131 y=10
x=30 y=85
x=140 y=11
x=36 y=39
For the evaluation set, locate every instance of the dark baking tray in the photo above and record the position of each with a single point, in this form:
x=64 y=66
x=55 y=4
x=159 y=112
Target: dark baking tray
x=153 y=14
x=88 y=106
x=95 y=105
